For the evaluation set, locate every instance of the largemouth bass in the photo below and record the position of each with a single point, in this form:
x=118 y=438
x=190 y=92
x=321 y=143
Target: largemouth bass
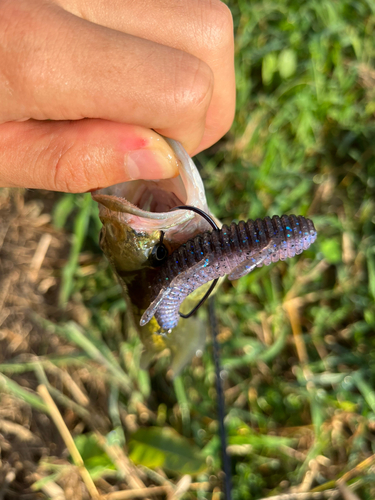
x=135 y=219
x=164 y=258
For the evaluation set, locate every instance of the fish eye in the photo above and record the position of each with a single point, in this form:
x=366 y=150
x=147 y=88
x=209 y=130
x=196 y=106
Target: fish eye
x=159 y=254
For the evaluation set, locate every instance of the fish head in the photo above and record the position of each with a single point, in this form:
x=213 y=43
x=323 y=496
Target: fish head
x=142 y=207
x=136 y=217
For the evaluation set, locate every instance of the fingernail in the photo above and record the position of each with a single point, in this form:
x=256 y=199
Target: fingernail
x=150 y=164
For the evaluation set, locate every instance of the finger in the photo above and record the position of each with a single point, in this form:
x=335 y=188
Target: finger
x=87 y=70
x=203 y=28
x=81 y=156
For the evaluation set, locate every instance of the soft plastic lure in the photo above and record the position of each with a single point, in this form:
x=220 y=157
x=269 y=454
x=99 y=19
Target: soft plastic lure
x=235 y=250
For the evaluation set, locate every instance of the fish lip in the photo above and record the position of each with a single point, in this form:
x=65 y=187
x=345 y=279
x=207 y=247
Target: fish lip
x=188 y=185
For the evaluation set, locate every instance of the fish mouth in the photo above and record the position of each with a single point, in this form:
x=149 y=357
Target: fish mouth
x=145 y=205
x=154 y=197
x=145 y=198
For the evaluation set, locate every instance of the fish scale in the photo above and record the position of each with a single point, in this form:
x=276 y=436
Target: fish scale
x=234 y=250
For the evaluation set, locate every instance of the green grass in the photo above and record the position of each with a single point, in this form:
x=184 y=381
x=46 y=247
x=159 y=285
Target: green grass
x=297 y=338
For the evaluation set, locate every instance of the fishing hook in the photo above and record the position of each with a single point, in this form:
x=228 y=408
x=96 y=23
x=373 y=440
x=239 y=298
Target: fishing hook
x=213 y=284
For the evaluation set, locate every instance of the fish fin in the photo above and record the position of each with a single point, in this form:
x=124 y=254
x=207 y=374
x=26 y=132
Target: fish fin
x=151 y=310
x=185 y=341
x=256 y=260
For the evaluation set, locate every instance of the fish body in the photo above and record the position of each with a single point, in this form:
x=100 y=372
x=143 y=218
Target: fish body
x=135 y=217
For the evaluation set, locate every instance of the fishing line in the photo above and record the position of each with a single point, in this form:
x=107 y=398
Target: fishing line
x=226 y=466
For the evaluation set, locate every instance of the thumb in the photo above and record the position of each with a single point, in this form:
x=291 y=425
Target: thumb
x=80 y=156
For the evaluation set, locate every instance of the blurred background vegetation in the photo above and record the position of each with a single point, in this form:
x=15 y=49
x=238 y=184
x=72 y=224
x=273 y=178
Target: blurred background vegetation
x=297 y=338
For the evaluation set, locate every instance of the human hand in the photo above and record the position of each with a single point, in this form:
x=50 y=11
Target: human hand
x=82 y=83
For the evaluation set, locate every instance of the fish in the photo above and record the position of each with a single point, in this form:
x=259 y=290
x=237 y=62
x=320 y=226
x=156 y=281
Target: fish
x=135 y=218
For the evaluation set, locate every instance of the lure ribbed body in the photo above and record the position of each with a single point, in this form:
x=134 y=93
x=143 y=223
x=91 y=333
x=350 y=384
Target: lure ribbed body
x=235 y=250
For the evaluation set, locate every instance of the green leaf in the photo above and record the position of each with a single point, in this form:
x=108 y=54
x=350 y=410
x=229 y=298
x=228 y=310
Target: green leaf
x=331 y=250
x=262 y=441
x=156 y=447
x=287 y=63
x=63 y=208
x=80 y=231
x=365 y=389
x=38 y=485
x=96 y=460
x=269 y=67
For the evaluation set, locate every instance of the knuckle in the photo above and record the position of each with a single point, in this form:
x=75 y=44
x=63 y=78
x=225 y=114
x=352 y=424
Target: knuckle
x=68 y=173
x=193 y=86
x=217 y=25
x=78 y=167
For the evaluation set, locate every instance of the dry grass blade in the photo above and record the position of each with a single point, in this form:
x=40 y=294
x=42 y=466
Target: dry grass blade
x=51 y=489
x=137 y=493
x=324 y=495
x=182 y=486
x=292 y=310
x=20 y=431
x=68 y=440
x=9 y=478
x=359 y=469
x=39 y=255
x=123 y=464
x=345 y=491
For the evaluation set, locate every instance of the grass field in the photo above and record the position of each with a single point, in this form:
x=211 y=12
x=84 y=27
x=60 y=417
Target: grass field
x=297 y=338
